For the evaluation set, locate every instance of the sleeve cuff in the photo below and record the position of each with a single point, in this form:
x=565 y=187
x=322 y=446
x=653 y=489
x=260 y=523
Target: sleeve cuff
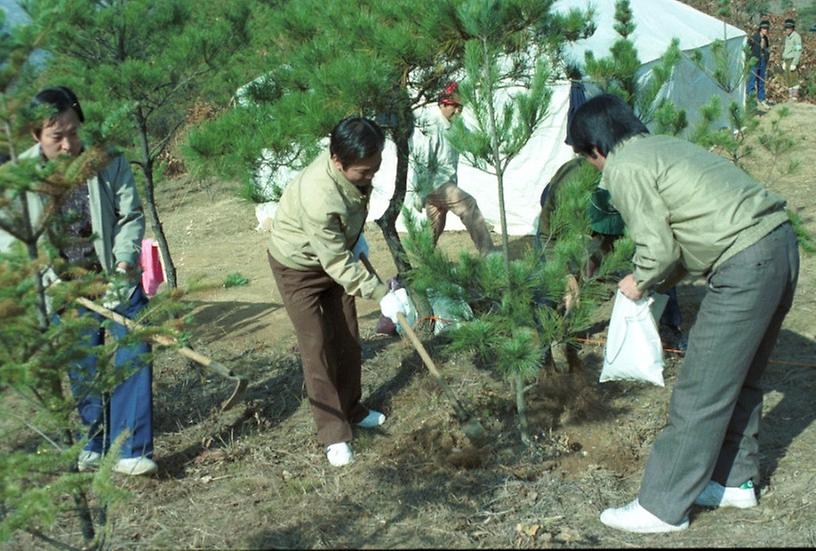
x=379 y=292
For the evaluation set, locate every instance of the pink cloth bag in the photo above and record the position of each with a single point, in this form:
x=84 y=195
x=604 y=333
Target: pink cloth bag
x=152 y=271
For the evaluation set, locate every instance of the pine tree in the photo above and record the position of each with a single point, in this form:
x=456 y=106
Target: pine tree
x=617 y=73
x=719 y=66
x=518 y=314
x=33 y=349
x=319 y=62
x=143 y=64
x=515 y=302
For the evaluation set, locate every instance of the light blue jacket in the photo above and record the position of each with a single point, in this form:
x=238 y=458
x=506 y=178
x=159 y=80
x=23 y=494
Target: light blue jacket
x=117 y=218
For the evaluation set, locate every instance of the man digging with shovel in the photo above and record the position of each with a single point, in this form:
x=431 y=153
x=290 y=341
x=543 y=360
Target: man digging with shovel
x=314 y=255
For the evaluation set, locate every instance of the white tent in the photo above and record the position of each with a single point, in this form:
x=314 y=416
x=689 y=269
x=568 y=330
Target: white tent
x=658 y=22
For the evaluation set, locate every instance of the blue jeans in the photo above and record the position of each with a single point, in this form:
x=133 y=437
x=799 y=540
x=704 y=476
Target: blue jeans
x=756 y=79
x=129 y=407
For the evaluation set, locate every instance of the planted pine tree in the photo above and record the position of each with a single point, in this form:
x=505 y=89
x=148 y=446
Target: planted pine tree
x=510 y=319
x=517 y=305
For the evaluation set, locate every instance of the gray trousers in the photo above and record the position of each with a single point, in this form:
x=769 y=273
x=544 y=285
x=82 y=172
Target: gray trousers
x=716 y=404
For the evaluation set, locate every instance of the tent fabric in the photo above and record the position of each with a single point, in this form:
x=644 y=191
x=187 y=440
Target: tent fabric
x=657 y=23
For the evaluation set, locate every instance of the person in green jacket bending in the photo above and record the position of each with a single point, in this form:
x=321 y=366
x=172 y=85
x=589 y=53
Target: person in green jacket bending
x=692 y=212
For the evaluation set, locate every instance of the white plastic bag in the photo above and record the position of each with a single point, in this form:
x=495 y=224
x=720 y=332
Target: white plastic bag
x=633 y=350
x=449 y=313
x=398 y=301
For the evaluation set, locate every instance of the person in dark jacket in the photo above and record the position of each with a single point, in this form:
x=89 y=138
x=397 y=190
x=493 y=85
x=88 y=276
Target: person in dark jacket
x=760 y=52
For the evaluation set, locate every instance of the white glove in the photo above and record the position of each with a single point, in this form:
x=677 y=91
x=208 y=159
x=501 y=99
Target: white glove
x=118 y=291
x=395 y=302
x=361 y=247
x=793 y=67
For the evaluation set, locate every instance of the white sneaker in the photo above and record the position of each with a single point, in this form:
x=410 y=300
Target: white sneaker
x=339 y=454
x=88 y=461
x=634 y=518
x=136 y=466
x=717 y=495
x=372 y=420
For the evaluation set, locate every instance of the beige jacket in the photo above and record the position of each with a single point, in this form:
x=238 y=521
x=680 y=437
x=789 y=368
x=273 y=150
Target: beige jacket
x=319 y=218
x=686 y=209
x=793 y=48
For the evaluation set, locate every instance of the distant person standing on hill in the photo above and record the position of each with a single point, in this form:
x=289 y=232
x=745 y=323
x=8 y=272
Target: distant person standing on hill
x=790 y=58
x=760 y=52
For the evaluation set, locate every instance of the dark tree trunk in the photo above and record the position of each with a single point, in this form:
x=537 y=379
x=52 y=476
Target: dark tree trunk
x=150 y=201
x=388 y=222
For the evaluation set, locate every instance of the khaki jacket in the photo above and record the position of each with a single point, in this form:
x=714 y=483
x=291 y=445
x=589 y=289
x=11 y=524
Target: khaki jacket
x=793 y=48
x=686 y=209
x=319 y=219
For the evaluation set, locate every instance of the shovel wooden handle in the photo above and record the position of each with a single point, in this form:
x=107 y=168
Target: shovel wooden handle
x=461 y=412
x=472 y=428
x=197 y=357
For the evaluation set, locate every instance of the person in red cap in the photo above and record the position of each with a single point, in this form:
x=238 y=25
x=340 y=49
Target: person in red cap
x=435 y=163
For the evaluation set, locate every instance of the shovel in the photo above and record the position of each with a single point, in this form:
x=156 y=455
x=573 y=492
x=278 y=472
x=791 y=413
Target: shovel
x=221 y=369
x=471 y=426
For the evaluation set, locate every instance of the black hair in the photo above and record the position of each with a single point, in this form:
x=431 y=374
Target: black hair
x=355 y=139
x=59 y=100
x=603 y=122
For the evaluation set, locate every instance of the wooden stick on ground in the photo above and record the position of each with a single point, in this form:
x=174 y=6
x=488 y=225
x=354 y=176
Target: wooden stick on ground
x=201 y=359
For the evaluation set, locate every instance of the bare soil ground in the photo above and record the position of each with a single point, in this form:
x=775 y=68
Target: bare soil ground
x=254 y=477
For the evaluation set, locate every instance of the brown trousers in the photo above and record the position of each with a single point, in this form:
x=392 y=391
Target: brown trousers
x=325 y=320
x=450 y=197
